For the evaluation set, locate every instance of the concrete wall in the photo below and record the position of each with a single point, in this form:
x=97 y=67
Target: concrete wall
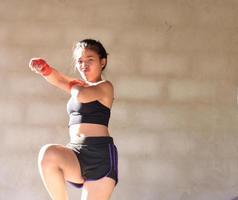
x=174 y=67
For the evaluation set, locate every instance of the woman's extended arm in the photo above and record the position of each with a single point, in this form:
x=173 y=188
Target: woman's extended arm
x=103 y=92
x=52 y=75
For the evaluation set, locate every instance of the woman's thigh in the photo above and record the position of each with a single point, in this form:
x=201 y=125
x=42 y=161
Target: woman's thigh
x=65 y=159
x=100 y=189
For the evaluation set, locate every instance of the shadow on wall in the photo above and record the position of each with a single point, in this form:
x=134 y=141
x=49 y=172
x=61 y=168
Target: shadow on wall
x=236 y=198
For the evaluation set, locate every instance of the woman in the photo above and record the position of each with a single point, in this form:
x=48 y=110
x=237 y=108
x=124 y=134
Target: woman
x=90 y=159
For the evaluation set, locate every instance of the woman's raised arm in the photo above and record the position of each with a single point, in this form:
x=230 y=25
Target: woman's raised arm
x=53 y=76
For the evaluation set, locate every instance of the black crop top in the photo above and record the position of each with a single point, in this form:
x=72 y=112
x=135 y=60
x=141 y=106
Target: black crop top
x=91 y=112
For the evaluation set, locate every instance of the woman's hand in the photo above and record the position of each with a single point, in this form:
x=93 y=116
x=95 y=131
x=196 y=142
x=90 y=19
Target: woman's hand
x=40 y=66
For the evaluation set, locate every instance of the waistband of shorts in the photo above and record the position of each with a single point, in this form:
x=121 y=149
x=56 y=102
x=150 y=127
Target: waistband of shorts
x=96 y=140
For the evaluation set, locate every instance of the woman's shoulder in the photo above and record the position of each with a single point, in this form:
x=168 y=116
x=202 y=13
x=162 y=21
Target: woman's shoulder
x=107 y=87
x=108 y=83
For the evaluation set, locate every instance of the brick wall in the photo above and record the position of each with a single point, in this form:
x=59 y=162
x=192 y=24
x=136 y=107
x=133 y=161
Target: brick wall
x=174 y=68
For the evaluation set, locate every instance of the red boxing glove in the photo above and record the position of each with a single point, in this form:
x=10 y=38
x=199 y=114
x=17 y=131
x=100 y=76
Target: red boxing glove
x=40 y=66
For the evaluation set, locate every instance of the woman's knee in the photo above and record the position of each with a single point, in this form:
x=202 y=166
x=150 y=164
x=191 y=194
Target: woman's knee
x=48 y=156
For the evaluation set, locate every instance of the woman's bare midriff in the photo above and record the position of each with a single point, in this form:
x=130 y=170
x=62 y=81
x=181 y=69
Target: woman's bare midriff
x=88 y=130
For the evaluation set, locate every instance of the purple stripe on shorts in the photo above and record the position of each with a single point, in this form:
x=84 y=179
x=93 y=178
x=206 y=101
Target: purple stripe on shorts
x=111 y=158
x=117 y=162
x=114 y=157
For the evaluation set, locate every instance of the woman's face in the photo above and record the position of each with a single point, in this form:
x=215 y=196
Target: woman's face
x=90 y=65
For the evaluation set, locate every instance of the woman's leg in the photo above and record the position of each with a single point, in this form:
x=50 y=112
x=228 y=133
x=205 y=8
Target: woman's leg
x=57 y=164
x=98 y=190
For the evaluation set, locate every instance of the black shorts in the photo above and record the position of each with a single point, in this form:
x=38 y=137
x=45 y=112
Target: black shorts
x=98 y=158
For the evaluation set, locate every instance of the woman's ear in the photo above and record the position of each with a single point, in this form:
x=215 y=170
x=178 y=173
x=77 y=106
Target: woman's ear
x=103 y=62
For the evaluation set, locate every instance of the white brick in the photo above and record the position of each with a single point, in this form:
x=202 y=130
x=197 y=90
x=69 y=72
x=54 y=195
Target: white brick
x=28 y=85
x=203 y=170
x=228 y=92
x=170 y=13
x=21 y=178
x=120 y=63
x=134 y=39
x=159 y=118
x=4 y=33
x=164 y=64
x=142 y=144
x=29 y=11
x=138 y=88
x=233 y=63
x=213 y=144
x=31 y=138
x=200 y=40
x=87 y=31
x=119 y=114
x=160 y=172
x=191 y=90
x=11 y=112
x=176 y=117
x=12 y=59
x=203 y=90
x=216 y=14
x=46 y=113
x=114 y=14
x=28 y=34
x=212 y=66
x=32 y=86
x=174 y=145
x=228 y=122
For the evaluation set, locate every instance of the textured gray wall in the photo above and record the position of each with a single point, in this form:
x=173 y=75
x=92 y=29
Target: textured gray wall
x=174 y=67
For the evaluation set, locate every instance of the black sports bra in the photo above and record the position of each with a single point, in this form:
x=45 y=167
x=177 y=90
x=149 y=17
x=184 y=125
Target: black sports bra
x=92 y=112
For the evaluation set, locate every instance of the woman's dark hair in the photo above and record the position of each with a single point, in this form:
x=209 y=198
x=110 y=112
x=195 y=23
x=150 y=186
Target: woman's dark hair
x=93 y=45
